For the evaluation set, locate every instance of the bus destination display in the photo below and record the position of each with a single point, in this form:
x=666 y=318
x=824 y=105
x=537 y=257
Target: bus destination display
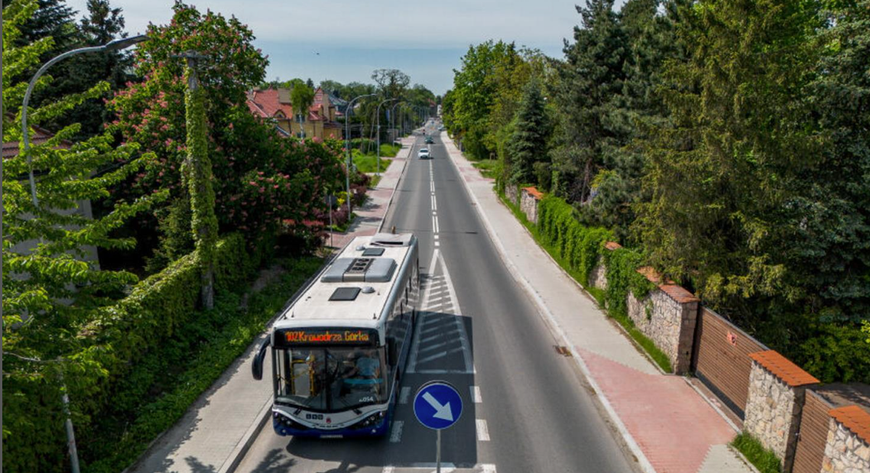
x=326 y=337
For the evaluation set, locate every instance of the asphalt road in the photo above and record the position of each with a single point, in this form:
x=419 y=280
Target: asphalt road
x=527 y=408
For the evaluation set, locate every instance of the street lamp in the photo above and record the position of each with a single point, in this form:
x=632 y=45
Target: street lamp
x=347 y=137
x=115 y=45
x=393 y=116
x=379 y=134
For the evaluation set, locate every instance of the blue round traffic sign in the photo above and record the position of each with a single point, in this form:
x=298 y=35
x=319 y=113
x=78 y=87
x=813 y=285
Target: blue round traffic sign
x=437 y=405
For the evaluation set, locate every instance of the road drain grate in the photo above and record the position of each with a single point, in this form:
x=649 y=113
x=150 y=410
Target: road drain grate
x=564 y=351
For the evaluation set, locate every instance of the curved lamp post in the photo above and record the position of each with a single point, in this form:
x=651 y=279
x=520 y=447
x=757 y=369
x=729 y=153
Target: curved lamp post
x=116 y=45
x=393 y=115
x=379 y=134
x=347 y=137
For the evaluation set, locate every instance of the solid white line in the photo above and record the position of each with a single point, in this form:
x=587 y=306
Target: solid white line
x=475 y=394
x=403 y=396
x=396 y=432
x=482 y=432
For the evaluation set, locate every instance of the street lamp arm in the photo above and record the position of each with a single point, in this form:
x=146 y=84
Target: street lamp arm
x=115 y=45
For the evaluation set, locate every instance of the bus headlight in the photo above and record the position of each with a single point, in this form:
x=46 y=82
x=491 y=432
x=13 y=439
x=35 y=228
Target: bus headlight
x=372 y=420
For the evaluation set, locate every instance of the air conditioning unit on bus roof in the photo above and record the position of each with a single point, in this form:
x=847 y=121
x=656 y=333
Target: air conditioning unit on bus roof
x=360 y=270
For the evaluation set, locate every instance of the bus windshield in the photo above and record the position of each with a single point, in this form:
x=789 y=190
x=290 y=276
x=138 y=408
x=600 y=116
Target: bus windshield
x=331 y=379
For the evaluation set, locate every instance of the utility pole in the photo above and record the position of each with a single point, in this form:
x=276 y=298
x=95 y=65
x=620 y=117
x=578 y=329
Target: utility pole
x=196 y=170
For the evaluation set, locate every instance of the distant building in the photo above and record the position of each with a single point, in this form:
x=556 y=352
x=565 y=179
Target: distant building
x=318 y=122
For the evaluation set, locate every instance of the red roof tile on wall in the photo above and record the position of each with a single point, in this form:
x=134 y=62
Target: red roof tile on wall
x=612 y=245
x=679 y=293
x=855 y=419
x=783 y=368
x=534 y=192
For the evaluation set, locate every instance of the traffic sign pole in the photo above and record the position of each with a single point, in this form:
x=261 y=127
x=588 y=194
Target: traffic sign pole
x=438 y=452
x=437 y=406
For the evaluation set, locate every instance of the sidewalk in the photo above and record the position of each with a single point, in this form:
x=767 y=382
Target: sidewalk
x=216 y=430
x=666 y=423
x=371 y=214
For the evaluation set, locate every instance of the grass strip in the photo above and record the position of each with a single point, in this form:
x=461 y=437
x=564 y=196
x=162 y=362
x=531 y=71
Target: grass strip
x=765 y=460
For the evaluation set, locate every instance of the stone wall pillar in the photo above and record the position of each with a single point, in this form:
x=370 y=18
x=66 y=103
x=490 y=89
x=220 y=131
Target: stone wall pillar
x=511 y=193
x=529 y=203
x=777 y=389
x=848 y=446
x=667 y=315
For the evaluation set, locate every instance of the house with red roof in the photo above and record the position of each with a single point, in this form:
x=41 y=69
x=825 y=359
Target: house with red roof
x=317 y=122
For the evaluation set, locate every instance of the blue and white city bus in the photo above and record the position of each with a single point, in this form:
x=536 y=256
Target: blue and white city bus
x=338 y=352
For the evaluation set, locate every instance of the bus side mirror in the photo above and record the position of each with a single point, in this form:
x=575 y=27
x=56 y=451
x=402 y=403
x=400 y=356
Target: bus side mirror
x=393 y=351
x=257 y=366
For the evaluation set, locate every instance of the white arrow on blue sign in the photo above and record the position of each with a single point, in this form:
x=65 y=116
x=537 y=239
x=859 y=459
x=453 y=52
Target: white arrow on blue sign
x=437 y=405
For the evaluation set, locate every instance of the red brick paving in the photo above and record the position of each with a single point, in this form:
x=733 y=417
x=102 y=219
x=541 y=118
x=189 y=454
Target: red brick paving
x=673 y=426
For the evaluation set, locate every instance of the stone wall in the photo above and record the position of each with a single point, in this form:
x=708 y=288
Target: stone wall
x=511 y=192
x=668 y=323
x=529 y=203
x=777 y=389
x=667 y=316
x=598 y=276
x=848 y=446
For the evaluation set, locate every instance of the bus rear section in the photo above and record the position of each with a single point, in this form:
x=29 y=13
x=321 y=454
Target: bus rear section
x=339 y=350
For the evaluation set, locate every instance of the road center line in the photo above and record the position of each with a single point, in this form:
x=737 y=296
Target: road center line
x=475 y=394
x=403 y=396
x=396 y=432
x=482 y=431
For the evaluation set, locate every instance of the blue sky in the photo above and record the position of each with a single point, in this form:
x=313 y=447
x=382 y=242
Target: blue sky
x=345 y=40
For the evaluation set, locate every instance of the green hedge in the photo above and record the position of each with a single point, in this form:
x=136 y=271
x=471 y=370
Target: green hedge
x=578 y=246
x=578 y=249
x=109 y=347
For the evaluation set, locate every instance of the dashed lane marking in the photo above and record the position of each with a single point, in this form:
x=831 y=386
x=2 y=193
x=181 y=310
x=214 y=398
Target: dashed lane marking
x=487 y=468
x=403 y=396
x=475 y=394
x=482 y=431
x=396 y=432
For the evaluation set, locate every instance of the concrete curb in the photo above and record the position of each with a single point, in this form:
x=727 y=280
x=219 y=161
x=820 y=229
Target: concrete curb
x=642 y=461
x=238 y=453
x=398 y=182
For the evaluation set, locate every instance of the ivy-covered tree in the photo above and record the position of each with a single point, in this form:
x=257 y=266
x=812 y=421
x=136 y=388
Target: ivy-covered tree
x=528 y=143
x=53 y=284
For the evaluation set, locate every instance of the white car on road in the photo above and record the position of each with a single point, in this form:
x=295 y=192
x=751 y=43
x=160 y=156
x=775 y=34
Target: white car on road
x=424 y=153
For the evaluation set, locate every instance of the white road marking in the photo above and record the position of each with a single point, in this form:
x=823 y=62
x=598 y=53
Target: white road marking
x=403 y=396
x=487 y=468
x=396 y=432
x=482 y=431
x=436 y=244
x=389 y=469
x=436 y=237
x=475 y=394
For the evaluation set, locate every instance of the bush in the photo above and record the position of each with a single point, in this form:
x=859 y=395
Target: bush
x=109 y=349
x=763 y=459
